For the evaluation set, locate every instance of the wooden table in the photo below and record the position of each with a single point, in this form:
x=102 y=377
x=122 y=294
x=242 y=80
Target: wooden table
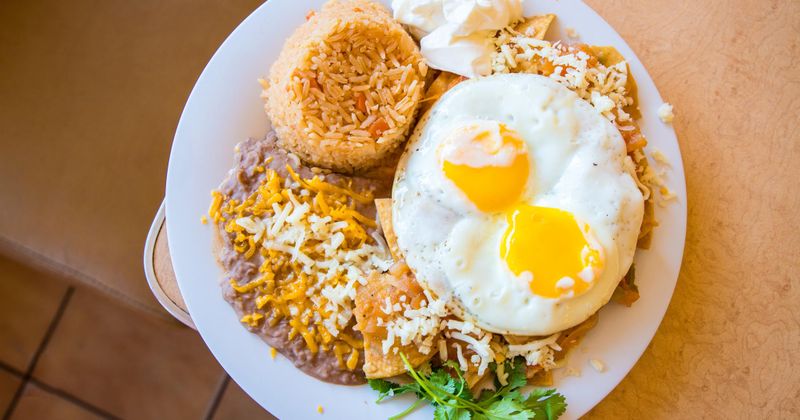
x=729 y=345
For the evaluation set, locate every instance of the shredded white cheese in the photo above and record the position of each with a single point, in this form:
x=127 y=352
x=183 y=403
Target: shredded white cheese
x=475 y=339
x=461 y=360
x=601 y=86
x=537 y=352
x=409 y=325
x=659 y=157
x=443 y=350
x=665 y=112
x=598 y=365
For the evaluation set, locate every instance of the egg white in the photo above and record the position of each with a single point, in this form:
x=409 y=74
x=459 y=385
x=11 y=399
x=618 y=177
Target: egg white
x=578 y=164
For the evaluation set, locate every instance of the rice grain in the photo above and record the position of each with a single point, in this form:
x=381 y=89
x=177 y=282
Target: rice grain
x=347 y=68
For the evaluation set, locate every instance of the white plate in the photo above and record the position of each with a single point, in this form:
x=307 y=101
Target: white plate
x=224 y=108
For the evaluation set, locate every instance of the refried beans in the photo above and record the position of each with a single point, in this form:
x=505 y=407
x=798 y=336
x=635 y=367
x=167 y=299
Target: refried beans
x=240 y=183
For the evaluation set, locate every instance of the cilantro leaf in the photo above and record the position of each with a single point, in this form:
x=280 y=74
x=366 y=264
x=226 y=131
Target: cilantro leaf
x=516 y=374
x=443 y=381
x=444 y=412
x=446 y=389
x=509 y=408
x=388 y=389
x=382 y=386
x=546 y=403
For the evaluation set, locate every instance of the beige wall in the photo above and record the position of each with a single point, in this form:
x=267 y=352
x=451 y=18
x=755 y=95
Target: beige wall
x=90 y=94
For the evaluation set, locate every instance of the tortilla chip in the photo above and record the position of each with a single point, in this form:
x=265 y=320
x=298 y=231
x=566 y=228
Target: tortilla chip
x=648 y=225
x=627 y=292
x=443 y=82
x=535 y=26
x=486 y=383
x=649 y=221
x=369 y=298
x=572 y=337
x=518 y=339
x=379 y=365
x=472 y=377
x=609 y=56
x=384 y=208
x=540 y=377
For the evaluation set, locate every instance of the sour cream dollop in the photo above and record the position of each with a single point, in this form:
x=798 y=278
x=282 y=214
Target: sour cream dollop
x=455 y=35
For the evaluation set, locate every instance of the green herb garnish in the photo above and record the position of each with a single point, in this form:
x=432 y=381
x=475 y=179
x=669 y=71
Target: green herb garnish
x=452 y=399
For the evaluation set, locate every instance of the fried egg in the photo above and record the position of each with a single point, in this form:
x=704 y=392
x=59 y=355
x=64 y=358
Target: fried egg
x=515 y=201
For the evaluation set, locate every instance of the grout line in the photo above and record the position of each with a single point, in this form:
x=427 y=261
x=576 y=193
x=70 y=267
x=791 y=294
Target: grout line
x=73 y=399
x=214 y=404
x=50 y=330
x=10 y=369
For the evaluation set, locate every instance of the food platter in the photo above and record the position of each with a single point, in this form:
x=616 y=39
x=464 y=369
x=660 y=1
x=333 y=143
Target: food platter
x=225 y=108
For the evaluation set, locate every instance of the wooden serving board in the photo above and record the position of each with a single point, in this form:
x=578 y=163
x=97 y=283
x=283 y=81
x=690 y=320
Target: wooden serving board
x=729 y=345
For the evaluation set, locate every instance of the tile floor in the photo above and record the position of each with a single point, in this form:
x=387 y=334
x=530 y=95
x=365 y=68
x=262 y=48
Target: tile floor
x=68 y=352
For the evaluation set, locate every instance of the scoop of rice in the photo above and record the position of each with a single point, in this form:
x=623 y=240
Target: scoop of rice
x=344 y=90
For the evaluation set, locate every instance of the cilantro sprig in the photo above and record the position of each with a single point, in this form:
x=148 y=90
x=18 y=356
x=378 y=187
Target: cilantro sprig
x=452 y=399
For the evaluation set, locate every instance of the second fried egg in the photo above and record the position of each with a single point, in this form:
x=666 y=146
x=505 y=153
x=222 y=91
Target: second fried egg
x=515 y=201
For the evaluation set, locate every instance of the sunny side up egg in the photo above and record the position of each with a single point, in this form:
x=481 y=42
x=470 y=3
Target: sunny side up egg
x=515 y=201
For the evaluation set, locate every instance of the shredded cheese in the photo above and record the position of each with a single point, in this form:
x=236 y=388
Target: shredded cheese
x=659 y=157
x=475 y=339
x=313 y=250
x=665 y=113
x=460 y=356
x=537 y=352
x=604 y=87
x=598 y=365
x=656 y=179
x=252 y=319
x=409 y=325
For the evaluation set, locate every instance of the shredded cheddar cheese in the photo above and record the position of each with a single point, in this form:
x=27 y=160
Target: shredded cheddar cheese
x=252 y=319
x=214 y=209
x=313 y=249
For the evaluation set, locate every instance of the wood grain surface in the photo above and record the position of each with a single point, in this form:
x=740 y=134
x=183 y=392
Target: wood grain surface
x=730 y=342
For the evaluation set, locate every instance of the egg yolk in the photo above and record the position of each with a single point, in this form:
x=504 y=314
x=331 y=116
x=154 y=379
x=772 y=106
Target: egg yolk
x=488 y=162
x=549 y=248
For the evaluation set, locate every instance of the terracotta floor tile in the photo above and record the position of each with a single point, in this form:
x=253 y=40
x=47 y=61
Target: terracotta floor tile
x=28 y=301
x=36 y=403
x=128 y=363
x=8 y=386
x=236 y=404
